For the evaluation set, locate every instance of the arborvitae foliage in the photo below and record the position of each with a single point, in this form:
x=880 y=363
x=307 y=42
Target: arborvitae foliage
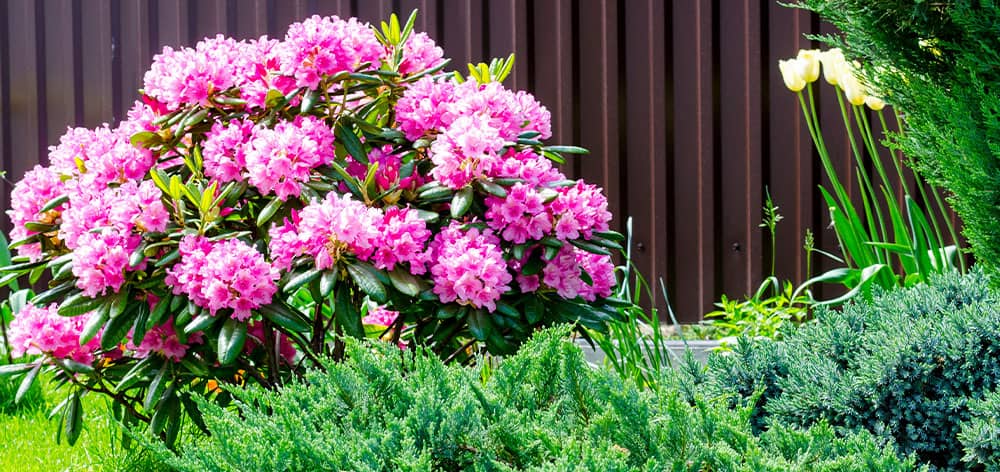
x=543 y=409
x=980 y=435
x=938 y=62
x=903 y=366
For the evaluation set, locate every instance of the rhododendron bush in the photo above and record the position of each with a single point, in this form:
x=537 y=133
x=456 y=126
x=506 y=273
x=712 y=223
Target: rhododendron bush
x=265 y=198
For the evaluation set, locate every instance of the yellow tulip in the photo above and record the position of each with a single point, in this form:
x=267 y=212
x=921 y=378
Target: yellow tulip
x=831 y=60
x=874 y=102
x=810 y=64
x=792 y=74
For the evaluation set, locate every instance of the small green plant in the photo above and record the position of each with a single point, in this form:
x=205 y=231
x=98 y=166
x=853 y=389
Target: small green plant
x=772 y=307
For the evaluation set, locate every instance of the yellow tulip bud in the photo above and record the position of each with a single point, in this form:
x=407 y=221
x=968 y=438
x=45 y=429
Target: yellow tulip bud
x=874 y=103
x=810 y=63
x=792 y=74
x=853 y=90
x=831 y=60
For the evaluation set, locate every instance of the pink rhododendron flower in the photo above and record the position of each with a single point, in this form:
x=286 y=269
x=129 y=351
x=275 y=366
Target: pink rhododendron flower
x=260 y=67
x=424 y=107
x=564 y=274
x=509 y=113
x=100 y=157
x=37 y=330
x=420 y=53
x=466 y=150
x=320 y=47
x=380 y=315
x=469 y=267
x=101 y=259
x=162 y=340
x=39 y=186
x=579 y=210
x=519 y=216
x=326 y=230
x=129 y=207
x=191 y=76
x=223 y=151
x=402 y=238
x=221 y=275
x=279 y=160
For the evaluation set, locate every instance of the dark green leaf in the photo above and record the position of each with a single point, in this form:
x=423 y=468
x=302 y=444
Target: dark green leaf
x=308 y=100
x=53 y=294
x=327 y=282
x=268 y=211
x=232 y=336
x=141 y=322
x=94 y=323
x=567 y=149
x=285 y=317
x=461 y=202
x=492 y=188
x=156 y=387
x=348 y=317
x=534 y=309
x=116 y=329
x=78 y=304
x=299 y=280
x=12 y=369
x=589 y=247
x=54 y=203
x=405 y=282
x=367 y=281
x=480 y=324
x=201 y=323
x=352 y=143
x=28 y=381
x=74 y=418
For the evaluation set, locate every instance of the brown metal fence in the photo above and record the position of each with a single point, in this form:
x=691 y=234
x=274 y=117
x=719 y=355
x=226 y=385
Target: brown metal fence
x=679 y=101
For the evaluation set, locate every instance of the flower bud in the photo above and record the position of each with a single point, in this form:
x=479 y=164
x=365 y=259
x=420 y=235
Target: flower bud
x=874 y=102
x=810 y=64
x=792 y=74
x=831 y=60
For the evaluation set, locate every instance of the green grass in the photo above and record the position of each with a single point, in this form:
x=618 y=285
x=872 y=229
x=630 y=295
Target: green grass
x=28 y=441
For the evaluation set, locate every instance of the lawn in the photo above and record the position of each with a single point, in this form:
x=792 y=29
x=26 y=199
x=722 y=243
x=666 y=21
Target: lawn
x=29 y=440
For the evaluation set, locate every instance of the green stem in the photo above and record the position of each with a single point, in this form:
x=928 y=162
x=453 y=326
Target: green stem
x=881 y=255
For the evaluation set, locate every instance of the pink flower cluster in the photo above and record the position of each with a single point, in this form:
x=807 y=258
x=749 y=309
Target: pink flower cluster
x=325 y=231
x=162 y=340
x=39 y=186
x=471 y=123
x=221 y=275
x=37 y=330
x=320 y=47
x=223 y=151
x=102 y=229
x=563 y=274
x=192 y=75
x=340 y=225
x=420 y=53
x=469 y=267
x=580 y=210
x=402 y=238
x=379 y=315
x=279 y=160
x=100 y=157
x=520 y=216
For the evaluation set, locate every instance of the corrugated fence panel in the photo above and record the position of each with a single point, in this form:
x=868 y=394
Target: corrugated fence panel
x=680 y=103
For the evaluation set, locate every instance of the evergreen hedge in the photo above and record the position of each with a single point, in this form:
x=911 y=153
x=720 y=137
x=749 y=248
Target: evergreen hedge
x=542 y=409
